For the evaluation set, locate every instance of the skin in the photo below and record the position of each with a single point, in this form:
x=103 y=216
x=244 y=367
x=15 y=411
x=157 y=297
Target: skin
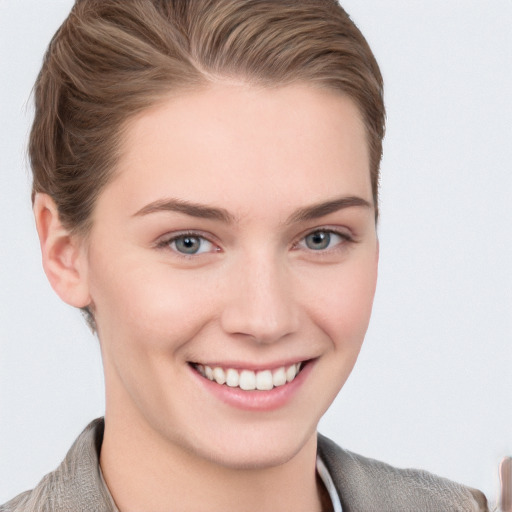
x=256 y=294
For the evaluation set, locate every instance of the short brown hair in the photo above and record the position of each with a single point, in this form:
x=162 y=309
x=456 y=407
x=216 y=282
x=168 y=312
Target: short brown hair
x=111 y=59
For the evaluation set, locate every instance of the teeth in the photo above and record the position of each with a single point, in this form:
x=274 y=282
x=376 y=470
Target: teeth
x=264 y=381
x=248 y=380
x=232 y=378
x=219 y=375
x=291 y=371
x=279 y=377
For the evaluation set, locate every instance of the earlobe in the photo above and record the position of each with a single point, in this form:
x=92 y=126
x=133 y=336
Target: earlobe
x=62 y=253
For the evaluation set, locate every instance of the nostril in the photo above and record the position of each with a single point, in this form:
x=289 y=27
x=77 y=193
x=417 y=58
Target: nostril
x=251 y=321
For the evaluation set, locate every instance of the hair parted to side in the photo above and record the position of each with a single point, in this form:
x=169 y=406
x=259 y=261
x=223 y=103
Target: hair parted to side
x=111 y=59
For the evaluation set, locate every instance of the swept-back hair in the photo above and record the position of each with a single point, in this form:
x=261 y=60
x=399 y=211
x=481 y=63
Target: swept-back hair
x=111 y=59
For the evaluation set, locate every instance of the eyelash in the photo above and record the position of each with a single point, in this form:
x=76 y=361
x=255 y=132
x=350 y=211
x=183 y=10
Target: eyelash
x=343 y=235
x=166 y=242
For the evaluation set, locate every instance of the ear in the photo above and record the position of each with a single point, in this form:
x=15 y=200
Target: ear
x=63 y=254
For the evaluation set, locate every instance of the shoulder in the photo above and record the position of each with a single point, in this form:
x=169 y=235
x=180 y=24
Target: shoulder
x=76 y=484
x=366 y=484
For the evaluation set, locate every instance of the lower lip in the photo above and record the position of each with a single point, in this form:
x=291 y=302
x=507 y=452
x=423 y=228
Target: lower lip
x=256 y=400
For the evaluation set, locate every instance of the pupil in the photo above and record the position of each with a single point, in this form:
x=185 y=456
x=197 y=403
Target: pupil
x=188 y=244
x=319 y=240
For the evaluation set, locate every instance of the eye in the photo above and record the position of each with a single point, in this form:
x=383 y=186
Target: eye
x=189 y=244
x=322 y=240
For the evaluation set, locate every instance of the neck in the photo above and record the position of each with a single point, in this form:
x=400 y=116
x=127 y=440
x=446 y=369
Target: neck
x=145 y=472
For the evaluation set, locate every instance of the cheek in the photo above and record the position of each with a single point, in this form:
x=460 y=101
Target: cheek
x=343 y=305
x=150 y=305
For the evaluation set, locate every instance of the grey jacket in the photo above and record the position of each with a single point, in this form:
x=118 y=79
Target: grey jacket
x=364 y=485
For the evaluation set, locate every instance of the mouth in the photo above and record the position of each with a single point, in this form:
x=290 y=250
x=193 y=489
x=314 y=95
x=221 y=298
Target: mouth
x=250 y=380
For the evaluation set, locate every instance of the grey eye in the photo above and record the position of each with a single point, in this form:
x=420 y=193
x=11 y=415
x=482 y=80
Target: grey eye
x=318 y=241
x=322 y=240
x=188 y=244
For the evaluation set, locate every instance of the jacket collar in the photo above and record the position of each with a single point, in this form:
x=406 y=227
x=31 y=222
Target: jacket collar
x=370 y=485
x=361 y=483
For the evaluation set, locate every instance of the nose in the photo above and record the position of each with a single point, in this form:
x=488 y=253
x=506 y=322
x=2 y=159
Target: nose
x=259 y=301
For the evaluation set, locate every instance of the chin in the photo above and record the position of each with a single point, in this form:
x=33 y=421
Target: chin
x=253 y=448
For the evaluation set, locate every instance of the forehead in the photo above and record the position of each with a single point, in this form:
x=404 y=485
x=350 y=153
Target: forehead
x=246 y=142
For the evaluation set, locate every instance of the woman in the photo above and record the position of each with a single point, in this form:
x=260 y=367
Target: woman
x=205 y=190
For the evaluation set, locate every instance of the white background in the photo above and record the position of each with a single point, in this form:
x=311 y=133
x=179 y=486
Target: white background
x=433 y=384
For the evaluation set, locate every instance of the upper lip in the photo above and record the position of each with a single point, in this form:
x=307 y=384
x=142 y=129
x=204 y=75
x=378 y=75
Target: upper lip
x=237 y=365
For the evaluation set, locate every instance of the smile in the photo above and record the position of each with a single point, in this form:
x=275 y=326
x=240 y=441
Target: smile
x=249 y=380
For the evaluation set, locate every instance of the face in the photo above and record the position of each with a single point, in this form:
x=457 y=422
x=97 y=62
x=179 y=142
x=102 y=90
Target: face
x=234 y=249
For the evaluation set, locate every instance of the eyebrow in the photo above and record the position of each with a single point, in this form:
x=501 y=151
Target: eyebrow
x=192 y=209
x=325 y=208
x=213 y=213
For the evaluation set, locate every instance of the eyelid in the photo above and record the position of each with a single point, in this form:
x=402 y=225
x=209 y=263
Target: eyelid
x=164 y=241
x=344 y=233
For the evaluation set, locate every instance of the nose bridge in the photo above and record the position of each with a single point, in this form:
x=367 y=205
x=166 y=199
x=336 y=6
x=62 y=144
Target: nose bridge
x=260 y=301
